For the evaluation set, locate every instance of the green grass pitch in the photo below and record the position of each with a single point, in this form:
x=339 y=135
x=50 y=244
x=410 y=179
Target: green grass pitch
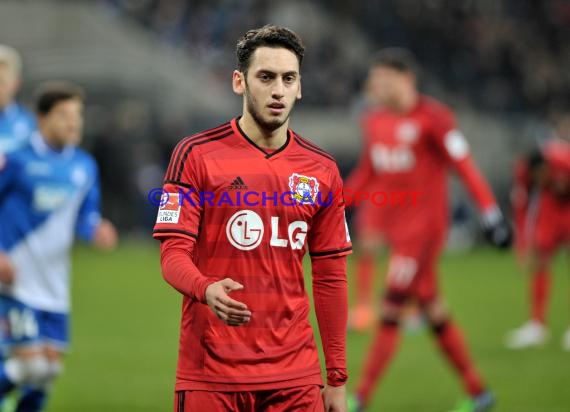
x=125 y=336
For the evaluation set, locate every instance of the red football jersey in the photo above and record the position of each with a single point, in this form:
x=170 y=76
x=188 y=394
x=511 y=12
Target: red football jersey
x=407 y=157
x=253 y=215
x=541 y=214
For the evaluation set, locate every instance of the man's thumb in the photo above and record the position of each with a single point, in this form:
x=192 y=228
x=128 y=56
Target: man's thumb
x=230 y=284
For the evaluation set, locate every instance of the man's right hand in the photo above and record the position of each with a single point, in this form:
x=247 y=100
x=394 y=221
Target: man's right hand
x=7 y=272
x=231 y=312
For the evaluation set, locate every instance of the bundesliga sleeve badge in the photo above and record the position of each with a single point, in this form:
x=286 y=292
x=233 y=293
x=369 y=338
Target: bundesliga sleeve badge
x=169 y=210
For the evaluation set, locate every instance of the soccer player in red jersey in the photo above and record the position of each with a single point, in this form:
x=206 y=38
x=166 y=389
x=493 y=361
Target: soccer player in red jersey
x=411 y=142
x=243 y=203
x=541 y=202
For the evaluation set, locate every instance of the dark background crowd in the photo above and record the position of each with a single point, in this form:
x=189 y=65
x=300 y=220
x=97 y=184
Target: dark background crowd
x=158 y=70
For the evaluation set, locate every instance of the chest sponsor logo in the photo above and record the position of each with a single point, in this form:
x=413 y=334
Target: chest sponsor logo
x=407 y=132
x=38 y=169
x=304 y=188
x=48 y=198
x=245 y=231
x=169 y=211
x=390 y=159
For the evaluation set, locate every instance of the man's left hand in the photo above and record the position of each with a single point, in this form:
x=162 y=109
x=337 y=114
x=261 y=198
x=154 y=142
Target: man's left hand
x=497 y=229
x=334 y=398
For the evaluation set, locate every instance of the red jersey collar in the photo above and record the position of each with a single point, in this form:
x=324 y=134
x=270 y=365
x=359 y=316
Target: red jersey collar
x=238 y=131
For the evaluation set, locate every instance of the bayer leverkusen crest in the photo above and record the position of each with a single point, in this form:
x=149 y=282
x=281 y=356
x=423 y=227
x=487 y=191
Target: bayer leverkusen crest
x=305 y=188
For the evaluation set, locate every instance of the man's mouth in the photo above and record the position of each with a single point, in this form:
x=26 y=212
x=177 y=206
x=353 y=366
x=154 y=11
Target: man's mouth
x=276 y=108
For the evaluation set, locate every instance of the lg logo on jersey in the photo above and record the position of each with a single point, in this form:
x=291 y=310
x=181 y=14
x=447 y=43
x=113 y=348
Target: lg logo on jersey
x=245 y=230
x=392 y=159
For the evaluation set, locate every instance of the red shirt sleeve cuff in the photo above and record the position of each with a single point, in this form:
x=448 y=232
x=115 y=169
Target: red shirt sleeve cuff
x=336 y=377
x=201 y=287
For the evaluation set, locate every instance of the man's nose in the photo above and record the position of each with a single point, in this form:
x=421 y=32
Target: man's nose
x=278 y=89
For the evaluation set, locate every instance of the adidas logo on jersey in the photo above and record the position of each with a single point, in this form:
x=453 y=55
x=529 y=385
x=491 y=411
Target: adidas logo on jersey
x=237 y=184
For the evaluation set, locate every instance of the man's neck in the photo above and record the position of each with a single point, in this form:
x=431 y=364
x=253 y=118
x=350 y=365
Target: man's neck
x=273 y=139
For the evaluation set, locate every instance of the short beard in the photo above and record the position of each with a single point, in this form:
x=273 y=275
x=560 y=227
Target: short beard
x=268 y=126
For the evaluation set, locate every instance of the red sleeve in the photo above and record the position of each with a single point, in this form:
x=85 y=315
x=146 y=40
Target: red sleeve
x=179 y=270
x=180 y=209
x=358 y=178
x=476 y=184
x=331 y=306
x=455 y=149
x=328 y=234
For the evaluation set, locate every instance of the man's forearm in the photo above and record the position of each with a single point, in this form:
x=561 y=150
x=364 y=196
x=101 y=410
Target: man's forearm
x=179 y=270
x=331 y=306
x=476 y=184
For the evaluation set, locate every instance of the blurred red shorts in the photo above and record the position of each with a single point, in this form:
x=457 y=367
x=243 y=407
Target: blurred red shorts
x=301 y=398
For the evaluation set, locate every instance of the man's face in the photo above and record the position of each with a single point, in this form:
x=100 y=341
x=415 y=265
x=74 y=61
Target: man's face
x=9 y=84
x=270 y=87
x=385 y=85
x=63 y=125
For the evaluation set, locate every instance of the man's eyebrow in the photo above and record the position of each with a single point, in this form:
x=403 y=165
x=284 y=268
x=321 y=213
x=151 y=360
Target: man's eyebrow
x=271 y=72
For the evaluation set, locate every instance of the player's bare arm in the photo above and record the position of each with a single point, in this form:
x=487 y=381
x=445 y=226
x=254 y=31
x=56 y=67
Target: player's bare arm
x=7 y=272
x=230 y=311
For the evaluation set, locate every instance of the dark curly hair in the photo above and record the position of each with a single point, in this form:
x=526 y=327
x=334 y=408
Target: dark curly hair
x=395 y=58
x=51 y=93
x=269 y=36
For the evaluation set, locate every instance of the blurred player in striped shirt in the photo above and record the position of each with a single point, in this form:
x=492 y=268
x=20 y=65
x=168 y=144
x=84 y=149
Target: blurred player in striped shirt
x=49 y=195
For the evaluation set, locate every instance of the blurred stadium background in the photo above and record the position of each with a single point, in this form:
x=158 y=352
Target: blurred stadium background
x=158 y=70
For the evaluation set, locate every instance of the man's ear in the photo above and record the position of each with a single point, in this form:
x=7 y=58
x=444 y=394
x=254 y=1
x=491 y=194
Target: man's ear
x=238 y=82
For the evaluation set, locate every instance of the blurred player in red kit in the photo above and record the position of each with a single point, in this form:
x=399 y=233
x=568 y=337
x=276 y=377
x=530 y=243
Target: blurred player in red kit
x=541 y=202
x=411 y=141
x=246 y=342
